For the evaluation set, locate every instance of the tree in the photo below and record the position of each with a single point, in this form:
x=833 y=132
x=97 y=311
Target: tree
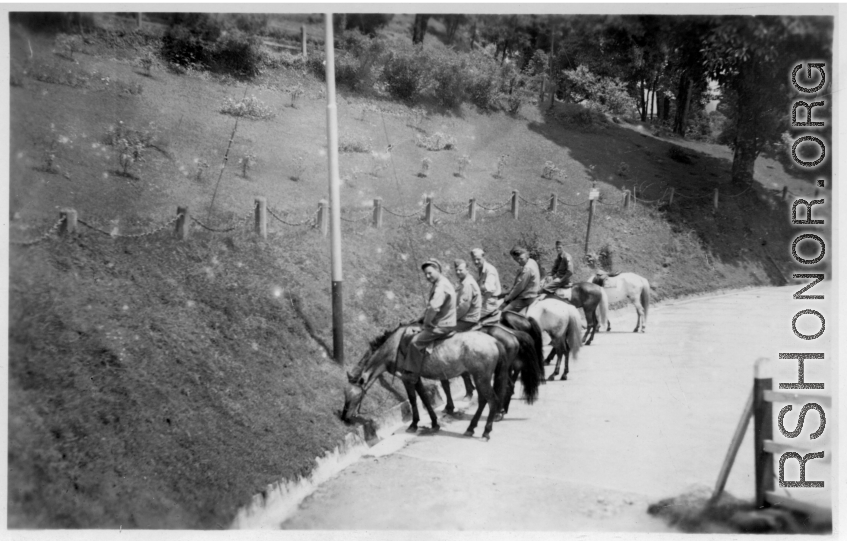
x=419 y=28
x=751 y=58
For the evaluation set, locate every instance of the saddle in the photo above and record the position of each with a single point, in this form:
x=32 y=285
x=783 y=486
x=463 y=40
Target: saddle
x=402 y=359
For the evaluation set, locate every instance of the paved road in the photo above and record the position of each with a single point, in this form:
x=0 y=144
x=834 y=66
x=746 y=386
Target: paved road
x=642 y=417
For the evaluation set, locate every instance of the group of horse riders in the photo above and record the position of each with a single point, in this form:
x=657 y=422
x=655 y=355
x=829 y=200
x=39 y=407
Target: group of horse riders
x=473 y=303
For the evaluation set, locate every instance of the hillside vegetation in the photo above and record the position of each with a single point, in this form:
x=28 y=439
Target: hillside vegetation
x=160 y=383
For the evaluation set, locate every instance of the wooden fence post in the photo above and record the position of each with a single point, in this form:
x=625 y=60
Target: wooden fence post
x=515 y=204
x=670 y=200
x=732 y=452
x=715 y=210
x=626 y=199
x=784 y=193
x=181 y=231
x=303 y=40
x=634 y=195
x=377 y=212
x=68 y=226
x=472 y=209
x=762 y=430
x=323 y=217
x=428 y=215
x=554 y=203
x=590 y=218
x=261 y=226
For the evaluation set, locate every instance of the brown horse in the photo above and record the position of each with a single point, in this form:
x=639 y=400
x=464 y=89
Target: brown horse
x=476 y=353
x=523 y=360
x=594 y=302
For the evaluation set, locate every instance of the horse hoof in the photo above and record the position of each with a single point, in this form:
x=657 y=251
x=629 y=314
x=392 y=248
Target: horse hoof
x=412 y=429
x=486 y=437
x=469 y=433
x=564 y=378
x=435 y=427
x=449 y=410
x=498 y=417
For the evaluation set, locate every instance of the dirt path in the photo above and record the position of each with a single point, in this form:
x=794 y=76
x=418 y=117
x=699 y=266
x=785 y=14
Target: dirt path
x=643 y=416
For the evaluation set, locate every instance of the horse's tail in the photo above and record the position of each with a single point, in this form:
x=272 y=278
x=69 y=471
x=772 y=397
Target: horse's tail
x=603 y=309
x=645 y=297
x=573 y=333
x=538 y=343
x=501 y=375
x=530 y=376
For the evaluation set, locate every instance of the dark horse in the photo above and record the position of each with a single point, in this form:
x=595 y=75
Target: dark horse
x=523 y=353
x=476 y=353
x=594 y=302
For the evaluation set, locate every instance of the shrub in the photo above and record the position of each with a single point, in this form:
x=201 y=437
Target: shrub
x=484 y=81
x=404 y=73
x=623 y=169
x=67 y=45
x=597 y=93
x=678 y=155
x=53 y=74
x=296 y=91
x=183 y=47
x=299 y=169
x=133 y=89
x=200 y=172
x=426 y=163
x=551 y=171
x=249 y=107
x=448 y=75
x=464 y=162
x=577 y=115
x=128 y=154
x=122 y=132
x=205 y=44
x=347 y=143
x=501 y=165
x=247 y=161
x=436 y=141
x=238 y=54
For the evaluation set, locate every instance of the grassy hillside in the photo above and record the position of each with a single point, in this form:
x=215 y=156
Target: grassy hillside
x=159 y=383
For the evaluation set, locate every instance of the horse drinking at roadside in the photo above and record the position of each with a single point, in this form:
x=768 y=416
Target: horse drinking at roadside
x=627 y=286
x=473 y=352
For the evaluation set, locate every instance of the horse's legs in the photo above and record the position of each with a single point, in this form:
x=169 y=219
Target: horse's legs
x=558 y=352
x=468 y=386
x=487 y=395
x=550 y=357
x=566 y=353
x=483 y=384
x=420 y=389
x=413 y=401
x=592 y=322
x=507 y=399
x=449 y=408
x=639 y=325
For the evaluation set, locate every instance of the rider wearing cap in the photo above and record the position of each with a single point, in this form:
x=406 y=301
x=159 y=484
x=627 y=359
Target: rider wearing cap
x=561 y=272
x=469 y=302
x=489 y=285
x=527 y=282
x=439 y=319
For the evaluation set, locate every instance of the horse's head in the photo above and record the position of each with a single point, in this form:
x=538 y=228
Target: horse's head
x=600 y=279
x=379 y=357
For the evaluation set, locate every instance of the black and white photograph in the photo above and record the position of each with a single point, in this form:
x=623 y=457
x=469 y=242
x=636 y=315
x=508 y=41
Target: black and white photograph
x=387 y=269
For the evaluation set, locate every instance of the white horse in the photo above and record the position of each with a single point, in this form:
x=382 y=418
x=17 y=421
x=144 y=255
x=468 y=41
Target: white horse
x=563 y=323
x=627 y=286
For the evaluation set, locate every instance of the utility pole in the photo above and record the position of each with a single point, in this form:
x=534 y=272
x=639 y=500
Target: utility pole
x=334 y=196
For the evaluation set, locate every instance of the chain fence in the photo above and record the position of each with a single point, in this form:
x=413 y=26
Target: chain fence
x=308 y=221
x=46 y=235
x=453 y=209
